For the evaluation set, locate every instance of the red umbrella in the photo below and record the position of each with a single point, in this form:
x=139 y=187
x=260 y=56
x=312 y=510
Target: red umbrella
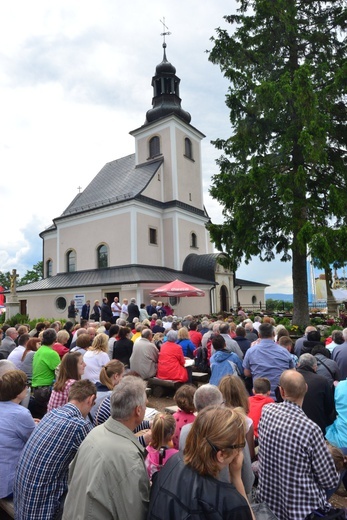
x=178 y=289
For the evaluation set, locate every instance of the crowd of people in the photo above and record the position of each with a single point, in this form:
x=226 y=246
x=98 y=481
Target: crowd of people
x=269 y=427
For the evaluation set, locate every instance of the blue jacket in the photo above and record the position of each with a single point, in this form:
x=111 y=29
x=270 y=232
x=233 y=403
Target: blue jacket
x=188 y=347
x=223 y=363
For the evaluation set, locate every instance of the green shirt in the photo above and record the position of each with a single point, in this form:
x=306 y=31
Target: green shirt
x=45 y=361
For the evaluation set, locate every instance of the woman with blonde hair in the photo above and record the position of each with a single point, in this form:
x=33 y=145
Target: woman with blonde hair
x=71 y=369
x=96 y=357
x=235 y=395
x=191 y=485
x=184 y=341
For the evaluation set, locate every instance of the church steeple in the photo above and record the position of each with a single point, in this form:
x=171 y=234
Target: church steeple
x=166 y=98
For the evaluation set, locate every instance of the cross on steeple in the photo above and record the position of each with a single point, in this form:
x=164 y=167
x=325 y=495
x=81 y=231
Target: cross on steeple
x=79 y=189
x=164 y=33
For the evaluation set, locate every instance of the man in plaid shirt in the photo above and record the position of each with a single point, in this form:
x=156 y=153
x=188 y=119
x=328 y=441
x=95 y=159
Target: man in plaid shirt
x=42 y=472
x=295 y=466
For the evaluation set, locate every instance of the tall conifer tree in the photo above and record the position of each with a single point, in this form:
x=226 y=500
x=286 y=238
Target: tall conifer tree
x=283 y=172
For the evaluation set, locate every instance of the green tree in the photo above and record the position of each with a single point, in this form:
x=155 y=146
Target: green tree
x=33 y=275
x=5 y=280
x=283 y=175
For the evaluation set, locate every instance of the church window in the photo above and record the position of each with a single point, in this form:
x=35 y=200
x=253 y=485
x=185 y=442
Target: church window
x=188 y=148
x=254 y=300
x=49 y=268
x=153 y=236
x=154 y=147
x=60 y=303
x=71 y=261
x=102 y=256
x=193 y=240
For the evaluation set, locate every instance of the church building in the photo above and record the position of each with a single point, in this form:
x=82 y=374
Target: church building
x=140 y=223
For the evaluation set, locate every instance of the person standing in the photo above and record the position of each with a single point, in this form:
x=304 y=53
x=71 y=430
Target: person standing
x=106 y=313
x=72 y=312
x=85 y=311
x=133 y=311
x=110 y=463
x=116 y=309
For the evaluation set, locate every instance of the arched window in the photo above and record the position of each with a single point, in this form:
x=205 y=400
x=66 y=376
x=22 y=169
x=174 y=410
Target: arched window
x=193 y=240
x=102 y=256
x=188 y=148
x=49 y=268
x=71 y=261
x=254 y=300
x=154 y=146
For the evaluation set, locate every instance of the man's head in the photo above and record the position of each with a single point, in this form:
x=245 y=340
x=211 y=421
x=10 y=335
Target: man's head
x=337 y=337
x=11 y=333
x=292 y=385
x=307 y=360
x=49 y=337
x=23 y=340
x=313 y=335
x=248 y=326
x=115 y=299
x=207 y=395
x=12 y=384
x=240 y=331
x=133 y=300
x=344 y=333
x=147 y=334
x=82 y=394
x=128 y=400
x=105 y=300
x=224 y=328
x=310 y=328
x=266 y=331
x=218 y=342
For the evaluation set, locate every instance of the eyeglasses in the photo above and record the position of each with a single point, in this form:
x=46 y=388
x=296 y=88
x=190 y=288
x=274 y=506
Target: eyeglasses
x=232 y=447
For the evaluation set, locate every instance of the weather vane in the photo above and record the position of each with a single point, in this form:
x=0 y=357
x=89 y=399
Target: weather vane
x=164 y=33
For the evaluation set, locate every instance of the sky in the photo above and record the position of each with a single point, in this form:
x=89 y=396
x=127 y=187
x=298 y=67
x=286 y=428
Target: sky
x=75 y=79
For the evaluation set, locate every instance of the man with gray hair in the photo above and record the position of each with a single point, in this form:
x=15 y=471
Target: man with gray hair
x=144 y=359
x=8 y=343
x=108 y=477
x=318 y=402
x=133 y=310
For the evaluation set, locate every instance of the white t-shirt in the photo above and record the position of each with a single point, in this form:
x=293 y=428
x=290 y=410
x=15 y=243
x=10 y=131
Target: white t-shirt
x=16 y=355
x=94 y=360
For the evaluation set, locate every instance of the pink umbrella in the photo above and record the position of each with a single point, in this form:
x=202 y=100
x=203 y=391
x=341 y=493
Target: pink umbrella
x=177 y=289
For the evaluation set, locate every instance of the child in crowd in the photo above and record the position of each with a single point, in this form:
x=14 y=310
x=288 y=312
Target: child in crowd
x=287 y=343
x=160 y=448
x=261 y=391
x=185 y=415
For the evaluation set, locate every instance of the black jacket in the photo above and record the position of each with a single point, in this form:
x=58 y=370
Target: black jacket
x=133 y=311
x=180 y=492
x=318 y=402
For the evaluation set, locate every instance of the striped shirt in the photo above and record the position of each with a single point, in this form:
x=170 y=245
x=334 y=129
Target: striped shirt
x=42 y=472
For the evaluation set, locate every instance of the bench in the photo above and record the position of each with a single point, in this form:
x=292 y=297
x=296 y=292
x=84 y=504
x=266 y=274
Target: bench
x=6 y=505
x=158 y=386
x=200 y=377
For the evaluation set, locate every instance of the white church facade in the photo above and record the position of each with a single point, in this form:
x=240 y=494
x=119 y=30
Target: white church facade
x=140 y=223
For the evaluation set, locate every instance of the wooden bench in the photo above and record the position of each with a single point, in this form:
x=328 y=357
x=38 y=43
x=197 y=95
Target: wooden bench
x=200 y=377
x=158 y=386
x=6 y=505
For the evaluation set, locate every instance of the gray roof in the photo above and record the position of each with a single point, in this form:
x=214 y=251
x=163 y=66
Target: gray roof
x=205 y=265
x=117 y=181
x=125 y=274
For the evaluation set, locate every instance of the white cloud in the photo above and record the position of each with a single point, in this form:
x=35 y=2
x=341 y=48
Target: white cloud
x=75 y=78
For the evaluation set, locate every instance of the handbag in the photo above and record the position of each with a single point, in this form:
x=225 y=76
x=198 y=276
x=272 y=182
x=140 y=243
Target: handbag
x=92 y=316
x=334 y=512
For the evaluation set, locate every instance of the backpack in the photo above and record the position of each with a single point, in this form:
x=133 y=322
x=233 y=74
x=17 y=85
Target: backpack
x=201 y=360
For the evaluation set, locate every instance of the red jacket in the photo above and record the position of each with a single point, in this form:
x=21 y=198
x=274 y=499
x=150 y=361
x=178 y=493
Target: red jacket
x=171 y=363
x=256 y=403
x=195 y=337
